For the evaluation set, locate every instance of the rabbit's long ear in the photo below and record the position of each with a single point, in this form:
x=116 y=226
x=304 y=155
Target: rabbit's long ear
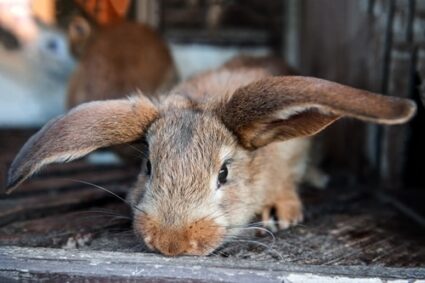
x=85 y=128
x=282 y=108
x=79 y=31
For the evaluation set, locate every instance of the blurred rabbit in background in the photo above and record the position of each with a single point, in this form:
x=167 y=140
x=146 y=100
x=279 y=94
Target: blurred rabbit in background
x=116 y=57
x=34 y=71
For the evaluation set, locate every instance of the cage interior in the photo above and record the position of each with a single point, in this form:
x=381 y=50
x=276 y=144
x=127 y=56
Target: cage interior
x=371 y=212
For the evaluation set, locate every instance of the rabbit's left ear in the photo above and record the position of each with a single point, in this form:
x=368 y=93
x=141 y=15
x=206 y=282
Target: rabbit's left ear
x=282 y=108
x=84 y=129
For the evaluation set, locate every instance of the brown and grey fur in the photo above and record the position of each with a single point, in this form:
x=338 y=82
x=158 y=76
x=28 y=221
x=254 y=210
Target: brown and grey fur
x=256 y=123
x=117 y=60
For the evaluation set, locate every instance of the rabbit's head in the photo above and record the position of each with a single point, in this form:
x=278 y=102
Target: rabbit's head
x=201 y=156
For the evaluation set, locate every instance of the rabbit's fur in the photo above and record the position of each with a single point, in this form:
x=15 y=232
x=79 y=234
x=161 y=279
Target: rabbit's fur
x=239 y=118
x=117 y=60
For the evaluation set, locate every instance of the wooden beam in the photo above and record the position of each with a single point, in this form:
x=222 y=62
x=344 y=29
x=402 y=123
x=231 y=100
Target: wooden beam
x=147 y=12
x=45 y=263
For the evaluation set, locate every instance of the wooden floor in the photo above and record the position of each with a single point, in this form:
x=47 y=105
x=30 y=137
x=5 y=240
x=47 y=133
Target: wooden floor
x=343 y=227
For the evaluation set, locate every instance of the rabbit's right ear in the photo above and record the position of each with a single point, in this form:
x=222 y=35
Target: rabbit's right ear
x=79 y=31
x=85 y=128
x=282 y=108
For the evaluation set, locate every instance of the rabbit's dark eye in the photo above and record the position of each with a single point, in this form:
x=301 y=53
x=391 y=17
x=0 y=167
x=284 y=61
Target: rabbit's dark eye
x=222 y=175
x=148 y=168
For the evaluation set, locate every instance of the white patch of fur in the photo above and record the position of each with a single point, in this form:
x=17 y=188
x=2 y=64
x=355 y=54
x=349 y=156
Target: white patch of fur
x=218 y=194
x=193 y=244
x=294 y=110
x=147 y=239
x=147 y=204
x=62 y=157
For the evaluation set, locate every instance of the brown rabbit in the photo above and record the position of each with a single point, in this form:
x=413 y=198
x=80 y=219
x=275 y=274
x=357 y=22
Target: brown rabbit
x=117 y=60
x=222 y=147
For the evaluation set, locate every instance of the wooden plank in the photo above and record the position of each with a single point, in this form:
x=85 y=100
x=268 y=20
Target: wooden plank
x=76 y=228
x=403 y=20
x=421 y=71
x=394 y=138
x=45 y=204
x=342 y=42
x=30 y=263
x=148 y=12
x=68 y=180
x=65 y=177
x=218 y=16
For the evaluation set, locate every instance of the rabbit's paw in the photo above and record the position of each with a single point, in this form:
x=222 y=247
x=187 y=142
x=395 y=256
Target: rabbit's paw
x=288 y=212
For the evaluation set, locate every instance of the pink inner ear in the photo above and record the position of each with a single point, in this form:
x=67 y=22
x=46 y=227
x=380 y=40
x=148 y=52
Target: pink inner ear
x=298 y=125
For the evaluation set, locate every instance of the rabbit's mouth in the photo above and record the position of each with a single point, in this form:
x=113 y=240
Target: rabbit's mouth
x=199 y=237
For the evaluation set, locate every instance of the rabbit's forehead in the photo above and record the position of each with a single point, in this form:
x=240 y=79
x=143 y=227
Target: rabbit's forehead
x=188 y=137
x=186 y=149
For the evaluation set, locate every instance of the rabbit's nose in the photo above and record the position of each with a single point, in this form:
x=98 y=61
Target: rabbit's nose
x=173 y=248
x=52 y=45
x=195 y=238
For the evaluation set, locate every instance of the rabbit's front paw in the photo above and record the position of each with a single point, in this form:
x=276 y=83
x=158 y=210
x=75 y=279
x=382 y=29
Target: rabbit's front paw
x=288 y=211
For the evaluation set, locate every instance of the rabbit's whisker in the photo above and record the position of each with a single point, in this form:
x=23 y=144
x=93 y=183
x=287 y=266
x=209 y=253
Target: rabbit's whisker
x=105 y=213
x=143 y=154
x=108 y=191
x=267 y=247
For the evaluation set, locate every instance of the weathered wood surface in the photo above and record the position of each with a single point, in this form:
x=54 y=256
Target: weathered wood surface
x=421 y=70
x=346 y=229
x=395 y=138
x=69 y=180
x=28 y=263
x=44 y=205
x=342 y=41
x=71 y=229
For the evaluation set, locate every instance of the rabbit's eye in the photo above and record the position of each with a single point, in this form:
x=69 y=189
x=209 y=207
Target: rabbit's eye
x=222 y=175
x=148 y=168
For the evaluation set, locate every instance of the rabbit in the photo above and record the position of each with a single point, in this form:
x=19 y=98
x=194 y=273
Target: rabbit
x=33 y=77
x=117 y=59
x=220 y=148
